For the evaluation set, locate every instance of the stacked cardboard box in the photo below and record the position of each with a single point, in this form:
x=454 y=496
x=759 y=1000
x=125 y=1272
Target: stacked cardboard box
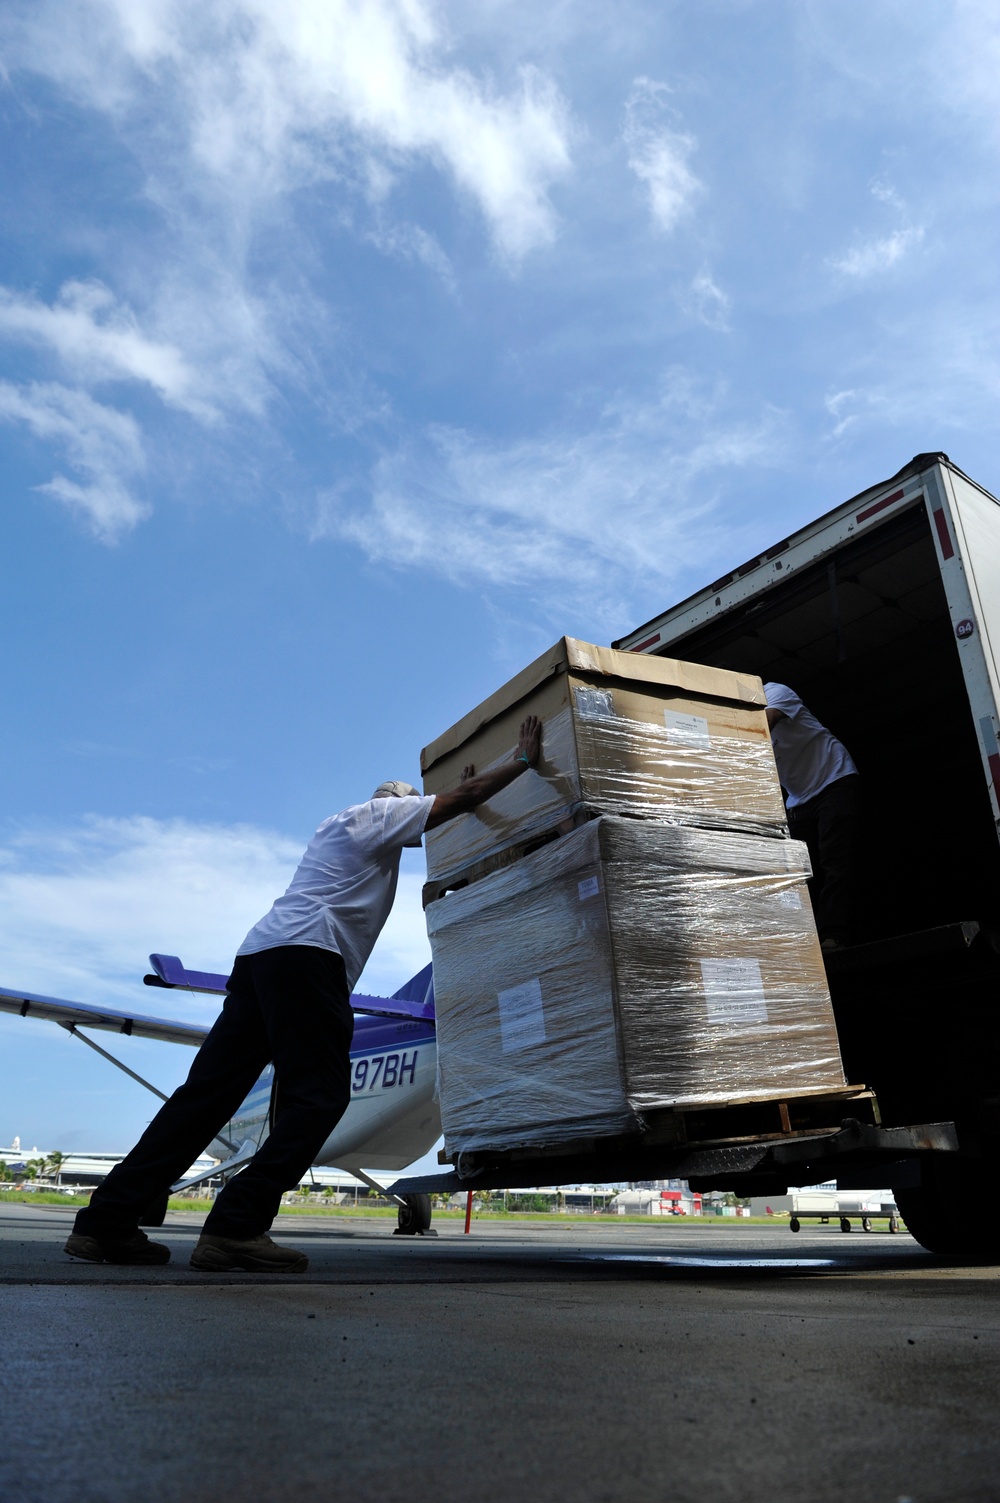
x=630 y=929
x=625 y=734
x=628 y=967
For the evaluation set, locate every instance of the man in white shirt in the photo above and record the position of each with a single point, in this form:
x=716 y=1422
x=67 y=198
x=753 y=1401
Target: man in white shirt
x=821 y=786
x=287 y=1001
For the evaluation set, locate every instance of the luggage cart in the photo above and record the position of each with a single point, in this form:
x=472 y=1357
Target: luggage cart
x=824 y=1218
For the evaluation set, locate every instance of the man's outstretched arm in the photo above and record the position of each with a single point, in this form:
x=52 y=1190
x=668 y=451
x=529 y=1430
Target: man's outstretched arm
x=475 y=790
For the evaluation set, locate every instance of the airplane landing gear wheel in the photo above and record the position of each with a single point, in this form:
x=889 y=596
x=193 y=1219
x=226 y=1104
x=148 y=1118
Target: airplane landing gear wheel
x=794 y=1224
x=414 y=1215
x=845 y=1225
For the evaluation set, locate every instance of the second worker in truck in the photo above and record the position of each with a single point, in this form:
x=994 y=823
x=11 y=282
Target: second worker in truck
x=821 y=786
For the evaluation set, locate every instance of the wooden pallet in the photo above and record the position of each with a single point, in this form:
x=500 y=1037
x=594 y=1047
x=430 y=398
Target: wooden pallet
x=752 y=1120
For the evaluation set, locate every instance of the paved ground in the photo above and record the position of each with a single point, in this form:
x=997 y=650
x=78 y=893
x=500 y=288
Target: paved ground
x=578 y=1361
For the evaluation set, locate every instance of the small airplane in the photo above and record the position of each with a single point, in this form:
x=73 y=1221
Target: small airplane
x=393 y=1117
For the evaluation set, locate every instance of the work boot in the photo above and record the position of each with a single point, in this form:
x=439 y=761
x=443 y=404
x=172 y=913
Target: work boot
x=255 y=1254
x=135 y=1249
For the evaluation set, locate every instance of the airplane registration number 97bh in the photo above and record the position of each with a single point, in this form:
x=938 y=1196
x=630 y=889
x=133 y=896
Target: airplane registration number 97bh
x=385 y=1070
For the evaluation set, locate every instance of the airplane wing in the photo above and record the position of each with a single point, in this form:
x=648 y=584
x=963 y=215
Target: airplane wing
x=55 y=1010
x=414 y=1001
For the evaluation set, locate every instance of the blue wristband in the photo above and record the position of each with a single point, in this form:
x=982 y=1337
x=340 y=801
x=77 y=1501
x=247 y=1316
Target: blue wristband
x=522 y=758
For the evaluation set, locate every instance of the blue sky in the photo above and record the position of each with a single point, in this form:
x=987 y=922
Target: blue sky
x=353 y=352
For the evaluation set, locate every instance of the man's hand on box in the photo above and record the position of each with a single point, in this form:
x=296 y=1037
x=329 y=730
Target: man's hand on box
x=529 y=743
x=473 y=791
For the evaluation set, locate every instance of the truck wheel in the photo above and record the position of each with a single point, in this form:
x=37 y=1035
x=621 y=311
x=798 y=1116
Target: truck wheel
x=794 y=1224
x=845 y=1225
x=953 y=1210
x=414 y=1215
x=866 y=1225
x=894 y=1223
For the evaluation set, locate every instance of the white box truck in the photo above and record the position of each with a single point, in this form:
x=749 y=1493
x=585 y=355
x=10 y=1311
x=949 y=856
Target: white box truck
x=884 y=616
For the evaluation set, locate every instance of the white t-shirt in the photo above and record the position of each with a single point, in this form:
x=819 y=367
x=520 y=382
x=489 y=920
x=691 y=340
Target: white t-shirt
x=809 y=757
x=342 y=892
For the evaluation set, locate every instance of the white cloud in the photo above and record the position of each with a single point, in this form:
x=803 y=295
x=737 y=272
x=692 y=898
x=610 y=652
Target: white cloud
x=578 y=520
x=870 y=257
x=658 y=153
x=268 y=96
x=101 y=444
x=98 y=340
x=235 y=113
x=410 y=242
x=83 y=906
x=707 y=302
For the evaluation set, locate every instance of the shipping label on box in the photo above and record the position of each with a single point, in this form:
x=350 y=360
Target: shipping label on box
x=734 y=991
x=522 y=1016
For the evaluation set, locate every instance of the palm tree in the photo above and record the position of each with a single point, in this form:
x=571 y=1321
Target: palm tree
x=54 y=1162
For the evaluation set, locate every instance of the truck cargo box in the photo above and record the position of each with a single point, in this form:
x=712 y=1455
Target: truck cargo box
x=622 y=733
x=630 y=966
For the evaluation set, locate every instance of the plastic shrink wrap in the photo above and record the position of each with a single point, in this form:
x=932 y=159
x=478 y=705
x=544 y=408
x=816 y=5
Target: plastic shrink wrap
x=622 y=733
x=628 y=966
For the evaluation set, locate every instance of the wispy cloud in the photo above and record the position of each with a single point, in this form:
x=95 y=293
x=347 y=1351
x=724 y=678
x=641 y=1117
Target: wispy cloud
x=255 y=123
x=874 y=254
x=96 y=339
x=707 y=302
x=83 y=906
x=580 y=520
x=102 y=445
x=263 y=98
x=870 y=257
x=658 y=152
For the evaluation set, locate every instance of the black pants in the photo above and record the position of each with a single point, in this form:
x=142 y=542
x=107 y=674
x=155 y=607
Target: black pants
x=289 y=1005
x=830 y=825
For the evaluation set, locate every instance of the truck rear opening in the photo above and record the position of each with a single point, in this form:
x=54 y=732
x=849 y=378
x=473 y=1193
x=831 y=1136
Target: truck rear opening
x=884 y=615
x=864 y=633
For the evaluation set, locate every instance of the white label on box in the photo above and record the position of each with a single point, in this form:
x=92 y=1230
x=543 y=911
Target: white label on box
x=588 y=888
x=522 y=1017
x=687 y=730
x=790 y=898
x=593 y=704
x=734 y=991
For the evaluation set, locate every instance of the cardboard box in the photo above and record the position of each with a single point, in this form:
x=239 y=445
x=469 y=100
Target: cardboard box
x=623 y=733
x=628 y=967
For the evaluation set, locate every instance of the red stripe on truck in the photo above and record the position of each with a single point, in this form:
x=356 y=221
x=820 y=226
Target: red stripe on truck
x=641 y=646
x=944 y=536
x=870 y=511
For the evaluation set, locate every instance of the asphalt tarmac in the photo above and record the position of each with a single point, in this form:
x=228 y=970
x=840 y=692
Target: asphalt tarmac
x=578 y=1361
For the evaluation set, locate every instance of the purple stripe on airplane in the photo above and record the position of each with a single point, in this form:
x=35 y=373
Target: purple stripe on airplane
x=414 y=1001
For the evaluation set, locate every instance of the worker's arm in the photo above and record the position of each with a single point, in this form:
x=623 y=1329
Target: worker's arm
x=476 y=790
x=773 y=716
